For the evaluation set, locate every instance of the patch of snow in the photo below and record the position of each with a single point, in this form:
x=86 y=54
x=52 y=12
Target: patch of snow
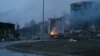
x=72 y=40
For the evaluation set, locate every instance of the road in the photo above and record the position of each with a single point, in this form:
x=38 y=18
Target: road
x=5 y=52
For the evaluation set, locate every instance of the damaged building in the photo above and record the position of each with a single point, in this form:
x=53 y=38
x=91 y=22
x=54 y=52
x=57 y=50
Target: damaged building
x=7 y=31
x=85 y=11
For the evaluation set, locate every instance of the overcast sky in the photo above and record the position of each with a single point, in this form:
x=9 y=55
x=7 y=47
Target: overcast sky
x=22 y=11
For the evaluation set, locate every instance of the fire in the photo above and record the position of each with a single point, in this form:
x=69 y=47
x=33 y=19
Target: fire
x=53 y=32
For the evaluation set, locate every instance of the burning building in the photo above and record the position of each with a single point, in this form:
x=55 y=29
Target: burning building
x=56 y=26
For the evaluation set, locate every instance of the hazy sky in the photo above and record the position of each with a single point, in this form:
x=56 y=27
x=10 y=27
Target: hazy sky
x=22 y=11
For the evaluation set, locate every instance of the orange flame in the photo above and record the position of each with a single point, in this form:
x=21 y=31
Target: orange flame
x=53 y=31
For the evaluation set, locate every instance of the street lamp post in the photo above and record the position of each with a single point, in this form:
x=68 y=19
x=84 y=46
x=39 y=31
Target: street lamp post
x=42 y=30
x=43 y=12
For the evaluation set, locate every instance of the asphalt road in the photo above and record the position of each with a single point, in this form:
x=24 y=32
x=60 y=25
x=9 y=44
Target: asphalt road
x=5 y=52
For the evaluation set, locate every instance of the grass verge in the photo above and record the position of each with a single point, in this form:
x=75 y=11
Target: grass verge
x=60 y=47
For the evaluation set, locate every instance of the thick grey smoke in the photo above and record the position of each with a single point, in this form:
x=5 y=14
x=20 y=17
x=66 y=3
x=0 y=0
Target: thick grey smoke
x=22 y=11
x=88 y=10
